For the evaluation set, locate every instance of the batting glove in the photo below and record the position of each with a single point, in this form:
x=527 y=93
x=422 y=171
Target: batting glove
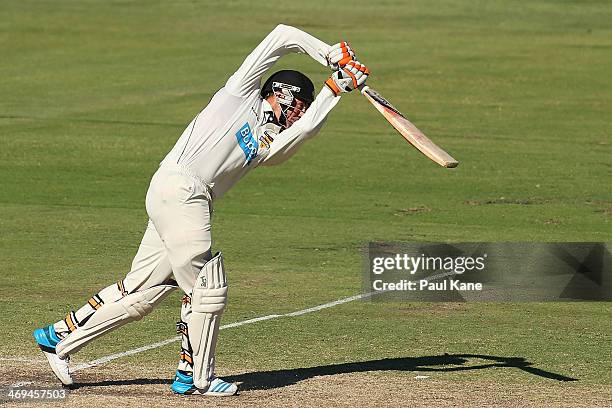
x=339 y=55
x=353 y=75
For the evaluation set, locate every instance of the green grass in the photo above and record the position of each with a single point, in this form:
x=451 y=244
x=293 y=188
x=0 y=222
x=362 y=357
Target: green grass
x=95 y=93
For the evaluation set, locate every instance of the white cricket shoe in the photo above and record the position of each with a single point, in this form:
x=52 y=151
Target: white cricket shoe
x=47 y=339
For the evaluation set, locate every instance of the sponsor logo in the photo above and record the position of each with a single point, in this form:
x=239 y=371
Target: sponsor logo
x=247 y=143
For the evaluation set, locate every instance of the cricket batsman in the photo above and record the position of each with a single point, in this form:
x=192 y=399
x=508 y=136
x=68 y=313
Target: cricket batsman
x=246 y=124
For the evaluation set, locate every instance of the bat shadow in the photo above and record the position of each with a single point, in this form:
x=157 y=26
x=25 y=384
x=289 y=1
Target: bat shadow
x=263 y=380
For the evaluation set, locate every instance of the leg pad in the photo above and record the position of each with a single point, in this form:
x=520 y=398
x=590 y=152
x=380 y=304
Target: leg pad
x=208 y=301
x=110 y=316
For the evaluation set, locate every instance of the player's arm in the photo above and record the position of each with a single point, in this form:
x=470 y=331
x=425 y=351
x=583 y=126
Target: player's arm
x=281 y=41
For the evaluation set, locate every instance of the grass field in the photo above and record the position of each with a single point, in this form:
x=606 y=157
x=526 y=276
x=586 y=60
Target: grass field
x=95 y=93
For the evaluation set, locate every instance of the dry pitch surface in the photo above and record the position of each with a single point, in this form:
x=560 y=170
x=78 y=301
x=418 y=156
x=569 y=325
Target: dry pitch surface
x=121 y=384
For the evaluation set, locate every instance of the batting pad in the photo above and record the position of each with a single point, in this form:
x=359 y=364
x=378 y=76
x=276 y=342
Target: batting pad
x=208 y=301
x=113 y=315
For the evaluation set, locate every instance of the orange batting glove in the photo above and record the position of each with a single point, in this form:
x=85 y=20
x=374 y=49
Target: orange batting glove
x=339 y=55
x=353 y=75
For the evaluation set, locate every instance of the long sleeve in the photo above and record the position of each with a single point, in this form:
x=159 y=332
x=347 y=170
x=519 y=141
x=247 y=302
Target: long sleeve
x=281 y=41
x=288 y=141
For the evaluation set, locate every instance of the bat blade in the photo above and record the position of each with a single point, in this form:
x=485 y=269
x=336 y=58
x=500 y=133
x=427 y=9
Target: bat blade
x=410 y=132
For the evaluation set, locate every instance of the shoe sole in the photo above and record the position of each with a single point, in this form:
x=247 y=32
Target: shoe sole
x=215 y=394
x=206 y=394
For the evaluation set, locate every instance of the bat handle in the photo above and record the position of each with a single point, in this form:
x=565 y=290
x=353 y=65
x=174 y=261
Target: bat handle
x=363 y=88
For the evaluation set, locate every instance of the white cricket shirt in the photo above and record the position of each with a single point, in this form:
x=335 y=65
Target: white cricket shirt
x=225 y=140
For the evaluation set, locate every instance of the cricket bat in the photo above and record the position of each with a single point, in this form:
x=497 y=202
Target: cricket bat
x=410 y=132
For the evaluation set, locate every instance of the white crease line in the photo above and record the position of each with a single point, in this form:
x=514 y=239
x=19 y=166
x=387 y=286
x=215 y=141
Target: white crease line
x=332 y=304
x=112 y=357
x=162 y=343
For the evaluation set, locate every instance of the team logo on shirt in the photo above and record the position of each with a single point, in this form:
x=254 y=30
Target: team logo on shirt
x=247 y=143
x=267 y=132
x=266 y=139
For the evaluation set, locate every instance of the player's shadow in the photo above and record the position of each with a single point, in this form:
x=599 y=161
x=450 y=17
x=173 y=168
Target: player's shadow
x=117 y=383
x=260 y=380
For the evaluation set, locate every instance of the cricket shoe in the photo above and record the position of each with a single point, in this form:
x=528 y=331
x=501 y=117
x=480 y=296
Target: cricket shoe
x=183 y=384
x=47 y=339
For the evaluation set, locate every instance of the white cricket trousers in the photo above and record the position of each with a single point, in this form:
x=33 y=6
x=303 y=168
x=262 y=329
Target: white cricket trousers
x=175 y=246
x=177 y=240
